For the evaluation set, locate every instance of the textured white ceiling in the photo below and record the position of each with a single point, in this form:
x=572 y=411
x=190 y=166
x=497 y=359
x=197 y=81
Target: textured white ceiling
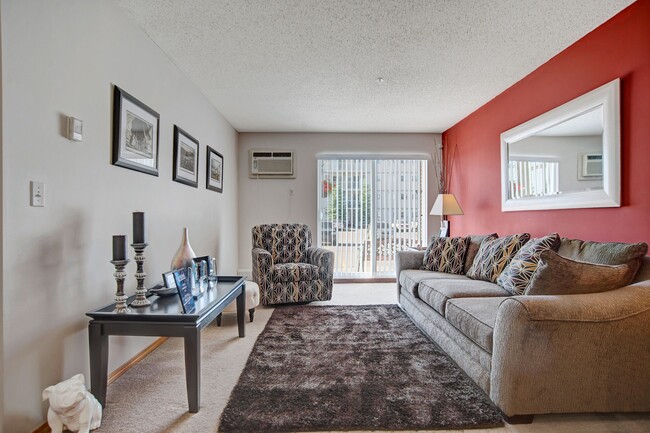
x=312 y=65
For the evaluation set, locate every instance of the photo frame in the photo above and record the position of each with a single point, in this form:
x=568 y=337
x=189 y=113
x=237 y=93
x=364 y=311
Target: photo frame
x=444 y=229
x=184 y=291
x=208 y=261
x=186 y=158
x=135 y=134
x=168 y=280
x=214 y=170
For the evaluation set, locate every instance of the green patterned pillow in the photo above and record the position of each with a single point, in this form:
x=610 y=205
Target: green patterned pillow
x=516 y=277
x=494 y=255
x=445 y=255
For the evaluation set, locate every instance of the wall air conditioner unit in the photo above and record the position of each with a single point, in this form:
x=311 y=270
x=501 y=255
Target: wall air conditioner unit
x=591 y=166
x=271 y=164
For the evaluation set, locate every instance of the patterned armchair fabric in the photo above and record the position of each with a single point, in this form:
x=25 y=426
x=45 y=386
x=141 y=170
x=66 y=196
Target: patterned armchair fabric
x=287 y=268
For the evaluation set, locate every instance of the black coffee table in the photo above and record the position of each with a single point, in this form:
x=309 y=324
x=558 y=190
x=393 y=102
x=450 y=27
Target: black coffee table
x=164 y=318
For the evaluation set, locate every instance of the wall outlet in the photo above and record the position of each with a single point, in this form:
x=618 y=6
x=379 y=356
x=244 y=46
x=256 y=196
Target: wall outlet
x=37 y=194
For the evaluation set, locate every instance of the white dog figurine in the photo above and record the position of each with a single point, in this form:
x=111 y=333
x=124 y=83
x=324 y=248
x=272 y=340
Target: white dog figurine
x=72 y=406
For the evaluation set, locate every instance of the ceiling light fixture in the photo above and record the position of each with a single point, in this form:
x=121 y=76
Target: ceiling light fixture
x=380 y=80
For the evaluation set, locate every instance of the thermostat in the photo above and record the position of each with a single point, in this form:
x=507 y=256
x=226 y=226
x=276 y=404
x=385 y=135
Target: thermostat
x=75 y=127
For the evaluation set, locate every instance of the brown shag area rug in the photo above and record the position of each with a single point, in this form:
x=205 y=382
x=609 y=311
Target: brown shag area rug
x=351 y=368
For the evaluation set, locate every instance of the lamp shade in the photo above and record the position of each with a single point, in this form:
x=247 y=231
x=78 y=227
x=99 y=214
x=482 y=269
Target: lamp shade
x=446 y=204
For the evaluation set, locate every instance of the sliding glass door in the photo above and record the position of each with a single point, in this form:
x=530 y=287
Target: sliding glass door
x=368 y=210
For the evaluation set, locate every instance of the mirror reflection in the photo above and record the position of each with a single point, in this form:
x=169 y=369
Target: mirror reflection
x=562 y=159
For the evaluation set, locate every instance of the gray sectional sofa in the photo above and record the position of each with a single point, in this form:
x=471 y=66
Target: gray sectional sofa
x=537 y=354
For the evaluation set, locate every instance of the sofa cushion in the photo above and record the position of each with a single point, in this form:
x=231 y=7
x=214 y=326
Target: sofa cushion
x=494 y=255
x=410 y=278
x=605 y=253
x=445 y=255
x=557 y=275
x=473 y=246
x=516 y=276
x=475 y=318
x=437 y=292
x=291 y=272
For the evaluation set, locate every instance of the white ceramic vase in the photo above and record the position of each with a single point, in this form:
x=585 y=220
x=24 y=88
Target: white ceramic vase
x=185 y=254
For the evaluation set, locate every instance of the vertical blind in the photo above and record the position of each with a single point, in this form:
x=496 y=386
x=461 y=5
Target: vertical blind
x=368 y=210
x=533 y=178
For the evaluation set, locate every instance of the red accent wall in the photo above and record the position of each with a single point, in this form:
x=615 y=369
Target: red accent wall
x=618 y=48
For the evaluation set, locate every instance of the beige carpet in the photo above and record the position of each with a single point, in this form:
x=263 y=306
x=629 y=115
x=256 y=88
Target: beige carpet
x=151 y=397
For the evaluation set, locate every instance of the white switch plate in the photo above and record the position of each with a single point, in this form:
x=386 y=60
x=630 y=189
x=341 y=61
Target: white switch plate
x=37 y=194
x=75 y=129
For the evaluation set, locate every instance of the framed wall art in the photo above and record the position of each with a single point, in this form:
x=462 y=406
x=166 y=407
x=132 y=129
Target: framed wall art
x=214 y=175
x=135 y=134
x=186 y=158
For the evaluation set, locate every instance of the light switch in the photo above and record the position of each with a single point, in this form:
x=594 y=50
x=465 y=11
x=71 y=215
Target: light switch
x=37 y=192
x=75 y=129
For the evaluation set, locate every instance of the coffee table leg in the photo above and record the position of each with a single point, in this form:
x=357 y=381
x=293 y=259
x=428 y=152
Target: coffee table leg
x=193 y=368
x=241 y=308
x=98 y=345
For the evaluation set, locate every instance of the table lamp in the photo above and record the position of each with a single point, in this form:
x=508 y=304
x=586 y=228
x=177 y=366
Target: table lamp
x=446 y=204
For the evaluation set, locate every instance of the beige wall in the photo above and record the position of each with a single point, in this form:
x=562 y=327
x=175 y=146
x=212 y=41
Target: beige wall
x=60 y=58
x=270 y=201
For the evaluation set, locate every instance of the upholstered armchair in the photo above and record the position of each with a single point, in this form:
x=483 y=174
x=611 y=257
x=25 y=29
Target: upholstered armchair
x=287 y=268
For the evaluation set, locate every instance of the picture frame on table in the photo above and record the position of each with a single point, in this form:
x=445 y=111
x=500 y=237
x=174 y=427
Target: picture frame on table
x=214 y=170
x=208 y=261
x=186 y=158
x=444 y=229
x=184 y=291
x=168 y=280
x=135 y=134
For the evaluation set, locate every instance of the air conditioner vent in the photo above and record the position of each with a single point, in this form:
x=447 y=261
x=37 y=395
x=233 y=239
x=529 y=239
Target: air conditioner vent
x=271 y=164
x=592 y=167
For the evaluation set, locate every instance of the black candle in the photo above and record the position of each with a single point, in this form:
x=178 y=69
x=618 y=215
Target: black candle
x=119 y=247
x=138 y=228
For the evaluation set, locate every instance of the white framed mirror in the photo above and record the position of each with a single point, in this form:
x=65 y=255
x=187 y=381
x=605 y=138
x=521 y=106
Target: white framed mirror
x=566 y=158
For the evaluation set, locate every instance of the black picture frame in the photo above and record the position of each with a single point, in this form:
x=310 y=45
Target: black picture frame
x=168 y=280
x=214 y=170
x=184 y=291
x=186 y=158
x=136 y=131
x=208 y=261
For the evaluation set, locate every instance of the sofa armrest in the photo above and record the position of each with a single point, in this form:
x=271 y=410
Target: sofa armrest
x=573 y=353
x=324 y=259
x=262 y=263
x=407 y=260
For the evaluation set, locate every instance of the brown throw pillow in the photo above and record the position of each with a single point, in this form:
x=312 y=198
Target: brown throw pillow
x=557 y=275
x=516 y=276
x=494 y=255
x=473 y=246
x=445 y=255
x=605 y=253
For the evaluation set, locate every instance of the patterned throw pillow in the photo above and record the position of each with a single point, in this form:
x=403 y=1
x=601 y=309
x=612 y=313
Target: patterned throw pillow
x=517 y=275
x=445 y=255
x=557 y=275
x=494 y=255
x=475 y=242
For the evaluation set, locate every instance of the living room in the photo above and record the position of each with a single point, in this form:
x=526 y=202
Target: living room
x=62 y=59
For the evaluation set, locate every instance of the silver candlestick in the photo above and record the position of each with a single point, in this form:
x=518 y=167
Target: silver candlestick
x=120 y=297
x=140 y=292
